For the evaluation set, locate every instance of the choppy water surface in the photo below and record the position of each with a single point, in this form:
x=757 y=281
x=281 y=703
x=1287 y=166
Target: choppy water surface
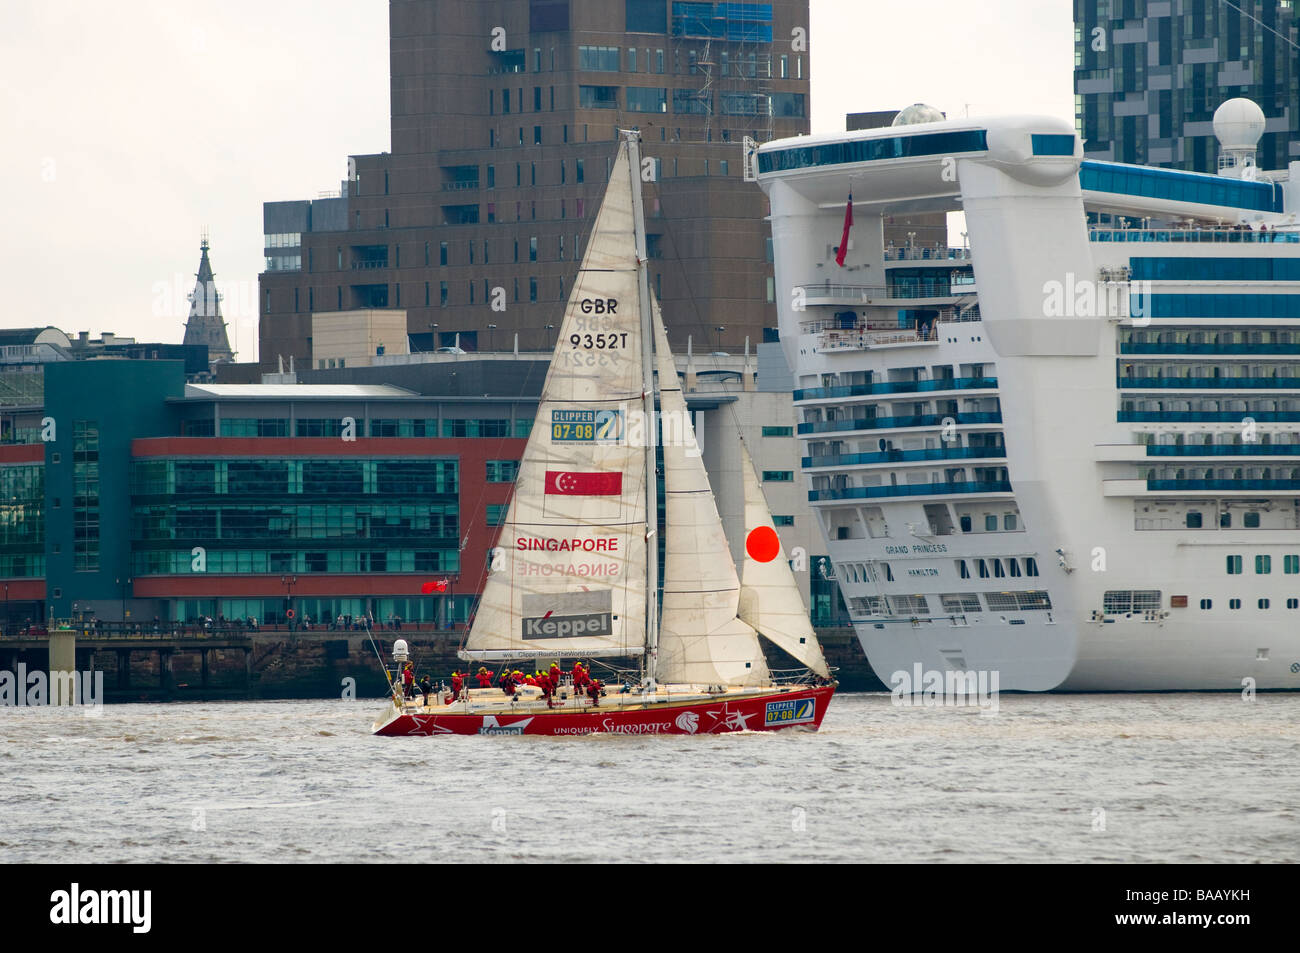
x=1178 y=777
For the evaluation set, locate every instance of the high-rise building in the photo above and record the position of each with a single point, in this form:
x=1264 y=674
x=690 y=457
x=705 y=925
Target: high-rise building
x=1148 y=75
x=504 y=122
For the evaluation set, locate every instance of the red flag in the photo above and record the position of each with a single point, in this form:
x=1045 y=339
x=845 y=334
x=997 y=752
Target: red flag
x=584 y=484
x=844 y=239
x=431 y=587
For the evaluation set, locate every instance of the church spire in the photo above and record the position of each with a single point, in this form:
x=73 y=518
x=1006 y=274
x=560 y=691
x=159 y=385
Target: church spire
x=205 y=324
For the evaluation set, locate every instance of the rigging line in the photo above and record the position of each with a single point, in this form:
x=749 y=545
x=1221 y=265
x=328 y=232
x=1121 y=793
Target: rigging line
x=1249 y=16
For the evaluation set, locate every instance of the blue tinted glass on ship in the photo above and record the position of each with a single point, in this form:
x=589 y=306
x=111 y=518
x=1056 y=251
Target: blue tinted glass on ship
x=870 y=150
x=1052 y=145
x=1194 y=187
x=1215 y=269
x=1215 y=306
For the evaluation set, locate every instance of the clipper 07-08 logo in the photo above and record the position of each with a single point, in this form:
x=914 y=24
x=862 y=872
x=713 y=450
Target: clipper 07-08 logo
x=586 y=426
x=796 y=711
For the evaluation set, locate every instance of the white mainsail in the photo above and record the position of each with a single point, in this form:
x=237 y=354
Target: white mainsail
x=568 y=576
x=701 y=640
x=769 y=596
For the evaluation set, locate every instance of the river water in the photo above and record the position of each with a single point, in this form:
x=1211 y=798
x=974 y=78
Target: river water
x=1137 y=778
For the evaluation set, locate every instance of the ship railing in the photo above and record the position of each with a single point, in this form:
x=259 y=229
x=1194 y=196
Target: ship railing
x=916 y=253
x=825 y=288
x=1194 y=235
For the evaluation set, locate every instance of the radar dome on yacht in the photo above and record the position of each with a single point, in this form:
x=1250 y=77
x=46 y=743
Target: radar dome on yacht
x=1238 y=124
x=917 y=113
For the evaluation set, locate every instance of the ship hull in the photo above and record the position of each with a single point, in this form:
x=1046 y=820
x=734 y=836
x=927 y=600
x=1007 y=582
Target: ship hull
x=766 y=710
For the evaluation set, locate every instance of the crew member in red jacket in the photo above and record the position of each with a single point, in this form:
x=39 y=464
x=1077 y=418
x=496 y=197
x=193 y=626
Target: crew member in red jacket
x=593 y=690
x=457 y=683
x=484 y=677
x=554 y=673
x=408 y=680
x=507 y=683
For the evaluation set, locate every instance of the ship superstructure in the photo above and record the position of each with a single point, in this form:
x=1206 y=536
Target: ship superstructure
x=1068 y=450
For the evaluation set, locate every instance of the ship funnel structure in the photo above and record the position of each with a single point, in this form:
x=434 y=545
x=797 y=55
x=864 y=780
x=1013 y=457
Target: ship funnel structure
x=1238 y=125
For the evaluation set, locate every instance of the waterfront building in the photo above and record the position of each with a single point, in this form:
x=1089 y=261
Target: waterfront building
x=504 y=122
x=1149 y=74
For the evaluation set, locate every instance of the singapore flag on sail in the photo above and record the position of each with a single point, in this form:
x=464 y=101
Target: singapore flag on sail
x=564 y=483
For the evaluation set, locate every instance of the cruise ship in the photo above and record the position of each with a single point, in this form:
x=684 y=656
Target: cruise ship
x=1067 y=451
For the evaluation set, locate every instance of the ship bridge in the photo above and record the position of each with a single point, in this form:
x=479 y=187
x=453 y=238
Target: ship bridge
x=904 y=169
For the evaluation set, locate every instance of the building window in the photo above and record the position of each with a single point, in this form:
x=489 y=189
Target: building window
x=496 y=513
x=537 y=135
x=537 y=99
x=1031 y=566
x=1251 y=520
x=778 y=476
x=598 y=58
x=578 y=175
x=998 y=572
x=1293 y=603
x=1291 y=565
x=965 y=523
x=1009 y=521
x=502 y=471
x=962 y=569
x=532 y=248
x=1207 y=603
x=1234 y=565
x=990 y=523
x=442 y=294
x=782 y=520
x=532 y=289
x=982 y=568
x=1234 y=603
x=647 y=100
x=778 y=431
x=598 y=97
x=1263 y=603
x=1193 y=520
x=442 y=253
x=1263 y=565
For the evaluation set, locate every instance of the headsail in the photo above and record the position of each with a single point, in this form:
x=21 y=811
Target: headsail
x=769 y=596
x=568 y=576
x=701 y=640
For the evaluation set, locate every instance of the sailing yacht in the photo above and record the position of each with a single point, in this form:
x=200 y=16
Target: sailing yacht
x=575 y=573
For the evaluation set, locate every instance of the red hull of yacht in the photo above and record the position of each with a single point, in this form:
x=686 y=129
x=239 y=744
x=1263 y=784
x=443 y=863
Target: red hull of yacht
x=803 y=708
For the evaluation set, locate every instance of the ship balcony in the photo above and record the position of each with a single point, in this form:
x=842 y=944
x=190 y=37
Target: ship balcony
x=986 y=487
x=911 y=421
x=1209 y=383
x=919 y=253
x=1288 y=345
x=1212 y=236
x=826 y=292
x=1206 y=416
x=887 y=457
x=1197 y=488
x=896 y=387
x=1137 y=452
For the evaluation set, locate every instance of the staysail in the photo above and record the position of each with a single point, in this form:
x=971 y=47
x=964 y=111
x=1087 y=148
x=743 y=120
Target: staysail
x=769 y=596
x=701 y=640
x=568 y=576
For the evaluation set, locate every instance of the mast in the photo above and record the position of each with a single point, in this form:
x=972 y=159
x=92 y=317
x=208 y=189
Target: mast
x=633 y=138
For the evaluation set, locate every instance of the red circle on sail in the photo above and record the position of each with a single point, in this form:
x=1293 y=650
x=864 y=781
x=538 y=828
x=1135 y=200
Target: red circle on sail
x=762 y=544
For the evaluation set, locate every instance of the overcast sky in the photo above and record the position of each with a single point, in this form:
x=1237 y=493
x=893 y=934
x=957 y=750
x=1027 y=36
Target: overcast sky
x=131 y=126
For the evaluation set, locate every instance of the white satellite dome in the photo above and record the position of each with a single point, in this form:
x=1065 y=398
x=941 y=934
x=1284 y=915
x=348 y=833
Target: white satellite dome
x=1238 y=124
x=916 y=114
